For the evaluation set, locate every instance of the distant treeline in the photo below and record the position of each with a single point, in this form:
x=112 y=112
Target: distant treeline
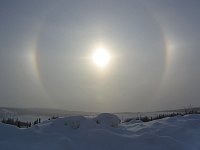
x=54 y=117
x=161 y=116
x=21 y=124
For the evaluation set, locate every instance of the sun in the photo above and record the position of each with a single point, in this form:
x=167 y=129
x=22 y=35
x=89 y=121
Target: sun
x=101 y=57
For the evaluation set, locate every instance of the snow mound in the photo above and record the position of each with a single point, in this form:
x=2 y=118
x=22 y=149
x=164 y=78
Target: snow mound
x=64 y=124
x=76 y=122
x=107 y=119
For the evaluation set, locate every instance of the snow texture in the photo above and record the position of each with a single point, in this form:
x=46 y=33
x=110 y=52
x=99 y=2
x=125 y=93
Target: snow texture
x=80 y=133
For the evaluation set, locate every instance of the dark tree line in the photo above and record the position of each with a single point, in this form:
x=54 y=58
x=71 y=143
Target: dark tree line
x=38 y=120
x=16 y=122
x=161 y=116
x=20 y=124
x=51 y=118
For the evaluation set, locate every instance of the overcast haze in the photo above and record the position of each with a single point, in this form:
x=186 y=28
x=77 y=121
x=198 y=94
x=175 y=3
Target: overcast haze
x=46 y=47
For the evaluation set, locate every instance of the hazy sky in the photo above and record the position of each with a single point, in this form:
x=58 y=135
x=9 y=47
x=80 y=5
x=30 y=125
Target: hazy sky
x=46 y=48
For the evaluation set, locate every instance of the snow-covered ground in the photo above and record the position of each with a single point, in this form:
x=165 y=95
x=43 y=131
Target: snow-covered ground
x=80 y=133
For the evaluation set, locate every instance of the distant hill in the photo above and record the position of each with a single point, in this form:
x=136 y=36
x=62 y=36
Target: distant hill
x=183 y=109
x=6 y=111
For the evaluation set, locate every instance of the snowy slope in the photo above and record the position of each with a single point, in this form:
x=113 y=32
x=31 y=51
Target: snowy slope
x=80 y=133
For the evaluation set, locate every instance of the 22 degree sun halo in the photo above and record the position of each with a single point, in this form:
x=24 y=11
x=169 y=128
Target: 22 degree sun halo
x=101 y=57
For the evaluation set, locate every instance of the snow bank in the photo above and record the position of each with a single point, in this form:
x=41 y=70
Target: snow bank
x=107 y=119
x=80 y=133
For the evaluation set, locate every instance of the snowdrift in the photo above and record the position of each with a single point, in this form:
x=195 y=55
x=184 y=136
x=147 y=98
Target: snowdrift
x=107 y=119
x=80 y=133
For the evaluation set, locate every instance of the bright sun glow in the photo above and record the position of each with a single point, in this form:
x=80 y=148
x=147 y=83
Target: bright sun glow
x=101 y=57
